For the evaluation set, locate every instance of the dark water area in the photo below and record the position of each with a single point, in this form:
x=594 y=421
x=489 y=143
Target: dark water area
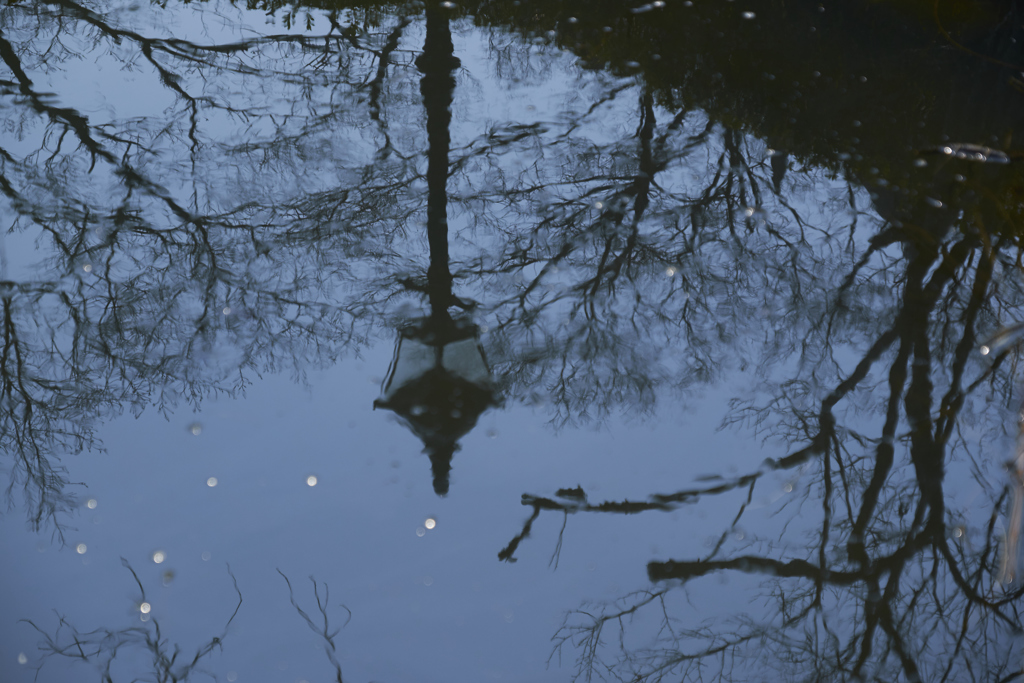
x=511 y=341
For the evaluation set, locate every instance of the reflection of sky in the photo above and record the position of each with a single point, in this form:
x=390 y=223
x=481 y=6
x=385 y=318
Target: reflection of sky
x=356 y=530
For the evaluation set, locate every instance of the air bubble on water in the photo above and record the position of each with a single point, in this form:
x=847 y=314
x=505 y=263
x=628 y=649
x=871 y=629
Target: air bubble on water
x=935 y=203
x=420 y=531
x=22 y=659
x=985 y=350
x=920 y=163
x=145 y=608
x=670 y=271
x=856 y=123
x=417 y=410
x=749 y=15
x=749 y=211
x=448 y=5
x=311 y=480
x=91 y=503
x=226 y=310
x=195 y=428
x=159 y=556
x=430 y=523
x=81 y=548
x=572 y=20
x=206 y=556
x=428 y=580
x=959 y=178
x=87 y=267
x=598 y=205
x=211 y=482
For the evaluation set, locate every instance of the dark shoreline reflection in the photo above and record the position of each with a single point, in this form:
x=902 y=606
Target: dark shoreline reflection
x=840 y=233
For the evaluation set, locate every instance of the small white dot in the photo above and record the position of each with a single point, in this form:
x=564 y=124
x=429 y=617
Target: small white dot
x=430 y=523
x=227 y=310
x=22 y=659
x=87 y=267
x=311 y=480
x=598 y=205
x=749 y=15
x=196 y=429
x=145 y=608
x=211 y=482
x=80 y=549
x=670 y=271
x=985 y=350
x=159 y=556
x=91 y=503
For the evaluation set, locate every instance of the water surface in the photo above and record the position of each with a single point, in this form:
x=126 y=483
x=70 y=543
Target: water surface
x=511 y=341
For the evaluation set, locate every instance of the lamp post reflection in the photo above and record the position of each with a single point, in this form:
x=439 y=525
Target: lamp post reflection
x=439 y=382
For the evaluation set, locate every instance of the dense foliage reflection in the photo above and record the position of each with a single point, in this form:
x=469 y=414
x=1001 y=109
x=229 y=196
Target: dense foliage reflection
x=840 y=236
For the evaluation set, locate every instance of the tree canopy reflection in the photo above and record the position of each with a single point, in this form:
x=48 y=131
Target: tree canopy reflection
x=282 y=200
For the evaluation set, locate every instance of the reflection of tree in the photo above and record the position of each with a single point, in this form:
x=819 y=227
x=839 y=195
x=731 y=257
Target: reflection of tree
x=893 y=583
x=164 y=661
x=101 y=647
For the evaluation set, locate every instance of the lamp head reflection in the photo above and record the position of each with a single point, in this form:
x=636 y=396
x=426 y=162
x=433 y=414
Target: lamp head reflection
x=439 y=384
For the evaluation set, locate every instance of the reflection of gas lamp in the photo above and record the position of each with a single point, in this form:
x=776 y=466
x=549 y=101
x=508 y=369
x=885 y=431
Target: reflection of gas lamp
x=439 y=382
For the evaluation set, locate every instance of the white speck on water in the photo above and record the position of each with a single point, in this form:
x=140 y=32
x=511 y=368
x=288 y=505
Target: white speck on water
x=572 y=20
x=159 y=556
x=80 y=549
x=145 y=608
x=933 y=202
x=947 y=150
x=87 y=267
x=985 y=350
x=670 y=271
x=196 y=429
x=448 y=5
x=22 y=659
x=226 y=310
x=749 y=15
x=91 y=503
x=311 y=480
x=420 y=531
x=920 y=163
x=430 y=523
x=211 y=482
